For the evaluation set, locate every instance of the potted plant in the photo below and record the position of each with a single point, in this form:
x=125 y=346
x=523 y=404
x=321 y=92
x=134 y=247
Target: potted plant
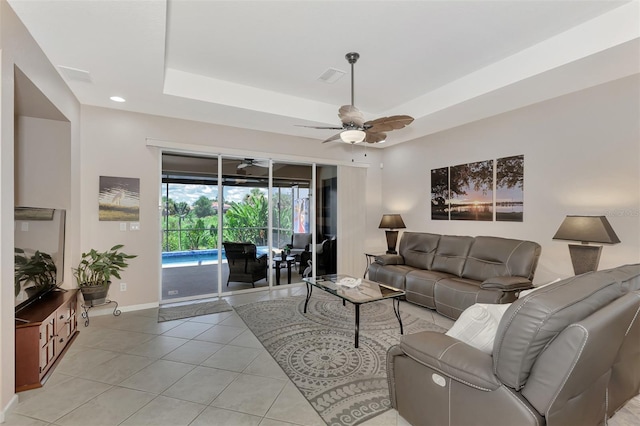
x=95 y=270
x=38 y=269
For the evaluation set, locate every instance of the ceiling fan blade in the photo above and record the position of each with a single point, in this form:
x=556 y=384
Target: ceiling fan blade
x=319 y=127
x=242 y=166
x=332 y=138
x=349 y=114
x=373 y=137
x=386 y=124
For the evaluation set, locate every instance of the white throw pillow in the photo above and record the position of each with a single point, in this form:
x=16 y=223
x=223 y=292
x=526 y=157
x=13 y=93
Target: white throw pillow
x=478 y=324
x=525 y=292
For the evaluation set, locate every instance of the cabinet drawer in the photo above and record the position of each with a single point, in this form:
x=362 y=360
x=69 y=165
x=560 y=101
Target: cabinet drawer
x=62 y=324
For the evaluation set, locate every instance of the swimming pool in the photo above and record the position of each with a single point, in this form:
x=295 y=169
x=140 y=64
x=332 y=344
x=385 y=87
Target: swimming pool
x=198 y=257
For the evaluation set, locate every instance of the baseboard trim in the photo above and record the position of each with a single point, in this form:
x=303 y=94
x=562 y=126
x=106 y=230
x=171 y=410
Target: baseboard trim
x=10 y=406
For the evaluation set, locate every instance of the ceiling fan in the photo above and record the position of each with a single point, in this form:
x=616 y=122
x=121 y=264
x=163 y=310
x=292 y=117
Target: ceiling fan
x=354 y=128
x=246 y=162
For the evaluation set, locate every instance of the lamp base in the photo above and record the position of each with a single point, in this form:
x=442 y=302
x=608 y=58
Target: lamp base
x=392 y=239
x=584 y=258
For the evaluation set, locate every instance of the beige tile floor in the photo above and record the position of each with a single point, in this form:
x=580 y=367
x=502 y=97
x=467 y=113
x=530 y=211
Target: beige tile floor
x=208 y=370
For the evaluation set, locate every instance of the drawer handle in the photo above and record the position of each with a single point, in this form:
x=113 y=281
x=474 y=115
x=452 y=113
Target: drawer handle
x=61 y=317
x=61 y=340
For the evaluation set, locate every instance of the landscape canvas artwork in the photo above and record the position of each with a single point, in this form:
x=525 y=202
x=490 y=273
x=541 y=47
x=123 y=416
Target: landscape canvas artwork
x=119 y=199
x=471 y=191
x=510 y=189
x=440 y=193
x=466 y=191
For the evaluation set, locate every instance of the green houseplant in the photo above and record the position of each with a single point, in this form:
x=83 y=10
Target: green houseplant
x=95 y=270
x=38 y=269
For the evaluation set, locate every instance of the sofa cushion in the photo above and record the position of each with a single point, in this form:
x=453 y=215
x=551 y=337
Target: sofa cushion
x=478 y=324
x=453 y=295
x=533 y=321
x=451 y=254
x=392 y=275
x=420 y=285
x=496 y=257
x=418 y=248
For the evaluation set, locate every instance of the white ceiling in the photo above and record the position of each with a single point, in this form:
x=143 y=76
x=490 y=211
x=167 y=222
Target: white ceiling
x=255 y=64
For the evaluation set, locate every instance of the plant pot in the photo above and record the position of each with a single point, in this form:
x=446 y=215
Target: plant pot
x=95 y=295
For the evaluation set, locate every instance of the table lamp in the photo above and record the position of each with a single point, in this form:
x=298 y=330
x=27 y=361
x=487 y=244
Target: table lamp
x=391 y=221
x=587 y=229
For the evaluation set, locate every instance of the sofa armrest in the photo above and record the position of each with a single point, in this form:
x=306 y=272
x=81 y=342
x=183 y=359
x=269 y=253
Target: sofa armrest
x=390 y=259
x=451 y=357
x=507 y=283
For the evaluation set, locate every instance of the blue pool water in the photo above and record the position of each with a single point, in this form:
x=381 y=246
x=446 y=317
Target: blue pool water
x=197 y=257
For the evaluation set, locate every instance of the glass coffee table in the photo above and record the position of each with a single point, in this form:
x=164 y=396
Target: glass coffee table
x=366 y=292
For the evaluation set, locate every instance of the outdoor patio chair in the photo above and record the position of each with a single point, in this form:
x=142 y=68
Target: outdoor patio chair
x=244 y=264
x=299 y=244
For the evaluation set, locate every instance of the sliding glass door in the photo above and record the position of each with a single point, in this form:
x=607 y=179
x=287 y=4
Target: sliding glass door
x=245 y=223
x=233 y=224
x=190 y=212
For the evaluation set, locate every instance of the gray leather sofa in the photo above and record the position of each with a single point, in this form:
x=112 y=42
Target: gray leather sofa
x=449 y=273
x=566 y=354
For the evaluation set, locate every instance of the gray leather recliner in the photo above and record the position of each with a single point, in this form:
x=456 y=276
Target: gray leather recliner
x=566 y=354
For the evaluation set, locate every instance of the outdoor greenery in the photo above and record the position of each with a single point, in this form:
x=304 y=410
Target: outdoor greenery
x=196 y=227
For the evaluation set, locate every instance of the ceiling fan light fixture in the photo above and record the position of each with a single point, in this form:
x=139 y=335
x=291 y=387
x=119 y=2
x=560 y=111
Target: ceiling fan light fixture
x=352 y=136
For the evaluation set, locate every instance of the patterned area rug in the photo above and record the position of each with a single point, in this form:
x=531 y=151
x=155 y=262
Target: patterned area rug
x=345 y=385
x=192 y=310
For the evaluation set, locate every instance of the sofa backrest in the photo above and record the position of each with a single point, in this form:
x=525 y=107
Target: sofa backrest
x=496 y=257
x=569 y=381
x=451 y=254
x=532 y=322
x=418 y=248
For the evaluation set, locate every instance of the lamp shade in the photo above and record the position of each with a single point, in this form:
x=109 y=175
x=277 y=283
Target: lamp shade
x=391 y=221
x=352 y=136
x=588 y=229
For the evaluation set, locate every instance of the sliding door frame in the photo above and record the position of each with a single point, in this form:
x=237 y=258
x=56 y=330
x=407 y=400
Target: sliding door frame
x=176 y=148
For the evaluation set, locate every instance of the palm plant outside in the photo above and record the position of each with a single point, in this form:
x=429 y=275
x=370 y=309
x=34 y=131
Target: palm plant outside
x=247 y=221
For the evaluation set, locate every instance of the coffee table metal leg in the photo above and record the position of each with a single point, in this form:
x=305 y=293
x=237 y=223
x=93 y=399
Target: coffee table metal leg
x=288 y=272
x=277 y=273
x=396 y=310
x=357 y=323
x=309 y=290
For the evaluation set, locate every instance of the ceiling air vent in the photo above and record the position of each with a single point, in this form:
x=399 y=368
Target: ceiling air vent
x=331 y=75
x=75 y=74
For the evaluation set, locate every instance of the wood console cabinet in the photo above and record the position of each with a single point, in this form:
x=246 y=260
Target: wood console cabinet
x=40 y=343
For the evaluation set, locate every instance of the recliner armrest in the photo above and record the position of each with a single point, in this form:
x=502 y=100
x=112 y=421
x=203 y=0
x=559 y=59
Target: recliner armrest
x=451 y=357
x=390 y=259
x=507 y=283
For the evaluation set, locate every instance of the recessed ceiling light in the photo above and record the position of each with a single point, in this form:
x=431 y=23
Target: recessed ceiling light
x=117 y=99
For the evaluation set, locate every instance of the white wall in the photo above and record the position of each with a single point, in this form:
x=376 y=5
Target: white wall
x=115 y=144
x=582 y=156
x=43 y=163
x=18 y=49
